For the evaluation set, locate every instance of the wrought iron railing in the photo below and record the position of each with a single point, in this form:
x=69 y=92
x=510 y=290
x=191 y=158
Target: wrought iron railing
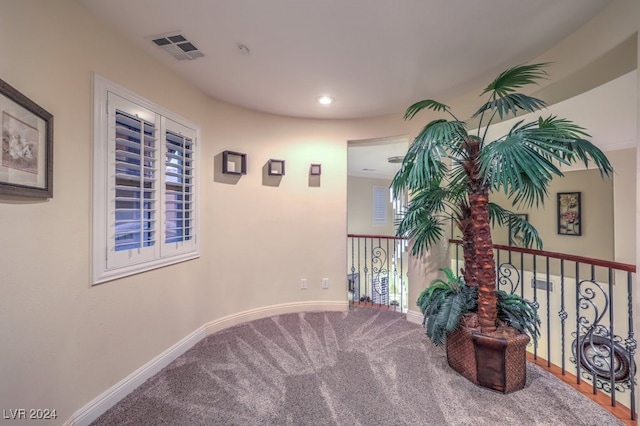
x=586 y=309
x=377 y=270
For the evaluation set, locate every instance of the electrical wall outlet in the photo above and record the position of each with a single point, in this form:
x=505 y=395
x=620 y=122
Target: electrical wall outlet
x=325 y=283
x=303 y=283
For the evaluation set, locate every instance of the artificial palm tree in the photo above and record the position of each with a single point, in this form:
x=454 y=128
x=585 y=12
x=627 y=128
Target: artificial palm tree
x=450 y=172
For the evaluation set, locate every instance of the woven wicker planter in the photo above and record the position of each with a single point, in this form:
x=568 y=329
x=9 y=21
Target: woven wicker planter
x=498 y=363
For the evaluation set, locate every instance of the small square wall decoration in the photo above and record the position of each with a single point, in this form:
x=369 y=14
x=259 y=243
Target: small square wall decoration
x=316 y=170
x=569 y=213
x=276 y=167
x=234 y=163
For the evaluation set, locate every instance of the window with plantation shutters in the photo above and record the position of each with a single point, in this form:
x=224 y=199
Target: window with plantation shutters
x=380 y=205
x=144 y=203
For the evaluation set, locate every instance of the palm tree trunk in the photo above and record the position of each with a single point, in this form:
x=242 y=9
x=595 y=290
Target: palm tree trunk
x=465 y=226
x=482 y=262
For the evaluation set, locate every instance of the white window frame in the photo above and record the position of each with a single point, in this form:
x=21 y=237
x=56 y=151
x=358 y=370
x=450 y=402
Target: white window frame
x=107 y=264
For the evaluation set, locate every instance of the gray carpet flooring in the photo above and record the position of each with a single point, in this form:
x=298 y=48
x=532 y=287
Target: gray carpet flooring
x=361 y=367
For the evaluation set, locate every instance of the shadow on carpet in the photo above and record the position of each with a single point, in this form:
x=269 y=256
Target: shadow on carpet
x=361 y=367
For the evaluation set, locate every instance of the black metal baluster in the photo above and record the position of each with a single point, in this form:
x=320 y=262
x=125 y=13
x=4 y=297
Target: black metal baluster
x=457 y=260
x=388 y=275
x=594 y=378
x=630 y=345
x=366 y=272
x=578 y=341
x=395 y=271
x=360 y=270
x=402 y=276
x=522 y=274
x=535 y=298
x=353 y=271
x=612 y=369
x=563 y=315
x=548 y=315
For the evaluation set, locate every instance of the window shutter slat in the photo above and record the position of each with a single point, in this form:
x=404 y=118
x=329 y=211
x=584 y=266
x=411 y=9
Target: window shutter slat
x=178 y=201
x=135 y=195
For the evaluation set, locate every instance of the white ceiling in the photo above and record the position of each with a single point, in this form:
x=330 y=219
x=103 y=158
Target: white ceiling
x=374 y=57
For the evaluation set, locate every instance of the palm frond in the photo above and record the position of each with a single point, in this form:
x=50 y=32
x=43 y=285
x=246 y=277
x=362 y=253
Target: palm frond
x=471 y=298
x=583 y=150
x=417 y=172
x=457 y=178
x=425 y=104
x=503 y=217
x=519 y=313
x=431 y=295
x=451 y=311
x=442 y=136
x=425 y=159
x=451 y=276
x=524 y=162
x=568 y=141
x=425 y=236
x=443 y=303
x=434 y=200
x=511 y=104
x=497 y=215
x=517 y=167
x=515 y=78
x=526 y=230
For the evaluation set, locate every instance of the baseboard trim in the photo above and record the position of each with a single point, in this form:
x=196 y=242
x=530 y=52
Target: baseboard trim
x=268 y=311
x=113 y=395
x=415 y=317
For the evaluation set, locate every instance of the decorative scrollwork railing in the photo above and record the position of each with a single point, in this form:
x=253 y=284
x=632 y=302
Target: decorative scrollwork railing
x=508 y=278
x=377 y=270
x=586 y=307
x=600 y=355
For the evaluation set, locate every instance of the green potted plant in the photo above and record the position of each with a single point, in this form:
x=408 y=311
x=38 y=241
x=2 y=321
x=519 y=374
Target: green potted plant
x=444 y=303
x=450 y=171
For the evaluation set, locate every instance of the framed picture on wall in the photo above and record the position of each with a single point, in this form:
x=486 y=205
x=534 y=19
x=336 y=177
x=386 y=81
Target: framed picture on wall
x=515 y=238
x=569 y=213
x=26 y=157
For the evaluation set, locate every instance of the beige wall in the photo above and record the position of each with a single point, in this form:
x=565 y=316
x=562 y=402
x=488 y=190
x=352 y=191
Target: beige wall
x=65 y=342
x=360 y=207
x=624 y=190
x=597 y=239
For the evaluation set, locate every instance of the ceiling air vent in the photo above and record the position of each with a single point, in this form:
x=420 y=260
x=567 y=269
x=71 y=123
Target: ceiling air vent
x=177 y=46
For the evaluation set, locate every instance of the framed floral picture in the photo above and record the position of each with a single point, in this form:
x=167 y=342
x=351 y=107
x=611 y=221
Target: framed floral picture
x=26 y=157
x=569 y=213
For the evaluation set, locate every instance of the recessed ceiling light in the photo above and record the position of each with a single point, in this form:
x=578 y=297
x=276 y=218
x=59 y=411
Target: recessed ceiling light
x=325 y=100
